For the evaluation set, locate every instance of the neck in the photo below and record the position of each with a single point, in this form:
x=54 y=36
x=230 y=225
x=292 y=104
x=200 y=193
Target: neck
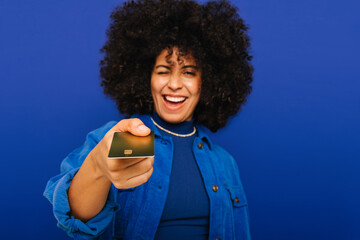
x=179 y=128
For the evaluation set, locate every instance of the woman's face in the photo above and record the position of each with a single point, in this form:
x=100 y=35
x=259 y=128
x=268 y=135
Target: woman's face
x=175 y=86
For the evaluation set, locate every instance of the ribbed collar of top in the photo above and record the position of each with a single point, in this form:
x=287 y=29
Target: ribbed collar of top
x=185 y=127
x=201 y=130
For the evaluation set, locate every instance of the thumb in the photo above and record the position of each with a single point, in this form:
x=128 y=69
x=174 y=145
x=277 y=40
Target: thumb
x=135 y=126
x=141 y=130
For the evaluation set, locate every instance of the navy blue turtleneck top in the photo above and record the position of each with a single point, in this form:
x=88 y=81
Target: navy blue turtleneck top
x=187 y=208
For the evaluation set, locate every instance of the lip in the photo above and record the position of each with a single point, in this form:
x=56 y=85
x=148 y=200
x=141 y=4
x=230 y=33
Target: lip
x=171 y=106
x=174 y=95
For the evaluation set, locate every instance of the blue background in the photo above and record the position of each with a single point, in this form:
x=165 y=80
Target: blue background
x=296 y=141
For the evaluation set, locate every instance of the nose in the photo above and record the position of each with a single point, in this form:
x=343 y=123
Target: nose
x=175 y=82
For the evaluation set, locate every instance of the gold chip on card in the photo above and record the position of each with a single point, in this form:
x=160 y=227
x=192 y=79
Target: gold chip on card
x=128 y=152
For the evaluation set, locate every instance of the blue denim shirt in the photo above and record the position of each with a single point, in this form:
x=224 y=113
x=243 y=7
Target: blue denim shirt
x=135 y=213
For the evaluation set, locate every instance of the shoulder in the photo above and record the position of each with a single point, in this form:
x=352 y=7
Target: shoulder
x=230 y=166
x=77 y=156
x=217 y=149
x=100 y=132
x=220 y=150
x=225 y=160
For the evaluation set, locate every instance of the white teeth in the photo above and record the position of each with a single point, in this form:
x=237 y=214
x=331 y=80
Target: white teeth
x=174 y=99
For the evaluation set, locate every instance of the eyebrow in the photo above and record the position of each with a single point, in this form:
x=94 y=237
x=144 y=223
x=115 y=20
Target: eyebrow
x=168 y=67
x=190 y=66
x=158 y=66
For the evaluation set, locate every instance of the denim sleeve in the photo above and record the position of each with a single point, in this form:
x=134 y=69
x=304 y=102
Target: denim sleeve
x=57 y=188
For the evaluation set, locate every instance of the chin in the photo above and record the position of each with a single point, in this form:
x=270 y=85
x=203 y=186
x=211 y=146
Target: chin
x=174 y=118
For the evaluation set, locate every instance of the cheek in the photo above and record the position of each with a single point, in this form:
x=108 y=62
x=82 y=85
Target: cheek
x=197 y=87
x=193 y=86
x=158 y=85
x=154 y=86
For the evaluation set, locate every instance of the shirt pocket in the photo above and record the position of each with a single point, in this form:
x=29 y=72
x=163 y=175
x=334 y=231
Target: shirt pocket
x=237 y=195
x=239 y=205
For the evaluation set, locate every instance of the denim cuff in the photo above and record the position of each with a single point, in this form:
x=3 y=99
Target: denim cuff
x=75 y=227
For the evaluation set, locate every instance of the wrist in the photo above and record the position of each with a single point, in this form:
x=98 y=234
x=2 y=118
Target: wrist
x=95 y=168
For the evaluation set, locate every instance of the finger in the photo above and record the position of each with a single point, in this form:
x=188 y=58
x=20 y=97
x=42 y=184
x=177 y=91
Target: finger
x=139 y=168
x=121 y=163
x=140 y=179
x=120 y=178
x=150 y=159
x=134 y=126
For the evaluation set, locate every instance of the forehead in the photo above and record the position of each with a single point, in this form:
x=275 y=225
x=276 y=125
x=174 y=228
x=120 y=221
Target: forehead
x=174 y=56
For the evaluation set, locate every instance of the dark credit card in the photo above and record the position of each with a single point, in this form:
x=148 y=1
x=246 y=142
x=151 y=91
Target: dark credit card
x=126 y=145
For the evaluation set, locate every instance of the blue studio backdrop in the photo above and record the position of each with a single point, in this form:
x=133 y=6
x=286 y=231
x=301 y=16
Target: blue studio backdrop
x=296 y=140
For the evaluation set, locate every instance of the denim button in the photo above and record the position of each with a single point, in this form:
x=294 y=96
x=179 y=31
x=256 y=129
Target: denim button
x=200 y=145
x=215 y=188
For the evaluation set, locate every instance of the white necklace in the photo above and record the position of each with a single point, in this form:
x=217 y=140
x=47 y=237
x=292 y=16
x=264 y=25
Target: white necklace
x=175 y=134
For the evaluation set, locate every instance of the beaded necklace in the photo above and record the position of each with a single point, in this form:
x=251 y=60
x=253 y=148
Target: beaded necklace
x=175 y=134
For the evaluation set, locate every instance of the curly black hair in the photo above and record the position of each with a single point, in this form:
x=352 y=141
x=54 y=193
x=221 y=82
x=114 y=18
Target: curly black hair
x=213 y=33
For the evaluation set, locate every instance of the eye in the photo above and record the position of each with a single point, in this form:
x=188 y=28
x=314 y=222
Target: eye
x=190 y=73
x=162 y=73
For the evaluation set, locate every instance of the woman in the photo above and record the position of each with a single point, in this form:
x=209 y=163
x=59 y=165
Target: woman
x=174 y=67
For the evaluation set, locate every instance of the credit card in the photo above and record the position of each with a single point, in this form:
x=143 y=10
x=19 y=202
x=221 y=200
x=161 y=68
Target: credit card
x=126 y=145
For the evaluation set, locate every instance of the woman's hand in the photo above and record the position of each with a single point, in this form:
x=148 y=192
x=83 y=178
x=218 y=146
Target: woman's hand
x=90 y=187
x=122 y=173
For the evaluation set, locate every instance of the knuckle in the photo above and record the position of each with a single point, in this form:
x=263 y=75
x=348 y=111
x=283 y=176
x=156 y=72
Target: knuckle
x=123 y=124
x=115 y=176
x=134 y=122
x=120 y=183
x=112 y=176
x=112 y=166
x=148 y=164
x=149 y=173
x=117 y=185
x=143 y=179
x=120 y=123
x=125 y=121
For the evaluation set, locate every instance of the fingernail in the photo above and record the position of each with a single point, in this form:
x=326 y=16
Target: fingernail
x=142 y=128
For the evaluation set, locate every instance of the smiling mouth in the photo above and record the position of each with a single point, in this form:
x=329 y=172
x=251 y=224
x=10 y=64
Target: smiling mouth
x=175 y=100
